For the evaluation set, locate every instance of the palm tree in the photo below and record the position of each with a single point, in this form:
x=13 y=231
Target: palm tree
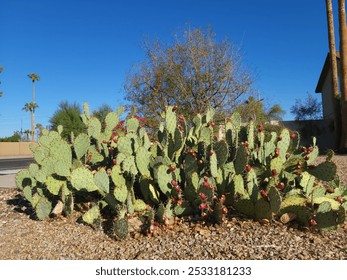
x=34 y=77
x=30 y=107
x=39 y=128
x=27 y=132
x=343 y=79
x=334 y=80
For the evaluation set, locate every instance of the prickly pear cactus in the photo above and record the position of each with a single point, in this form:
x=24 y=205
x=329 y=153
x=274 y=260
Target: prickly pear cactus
x=256 y=171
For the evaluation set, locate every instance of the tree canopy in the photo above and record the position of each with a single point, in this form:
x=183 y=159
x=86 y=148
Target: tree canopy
x=194 y=72
x=309 y=109
x=69 y=116
x=255 y=110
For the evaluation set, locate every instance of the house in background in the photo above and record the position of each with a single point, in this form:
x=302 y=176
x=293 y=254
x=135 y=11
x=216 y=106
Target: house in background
x=322 y=129
x=324 y=87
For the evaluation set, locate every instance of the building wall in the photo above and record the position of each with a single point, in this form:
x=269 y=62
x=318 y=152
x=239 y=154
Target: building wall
x=15 y=149
x=327 y=92
x=321 y=129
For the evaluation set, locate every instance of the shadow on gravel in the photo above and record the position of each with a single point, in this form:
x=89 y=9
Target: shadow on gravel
x=22 y=206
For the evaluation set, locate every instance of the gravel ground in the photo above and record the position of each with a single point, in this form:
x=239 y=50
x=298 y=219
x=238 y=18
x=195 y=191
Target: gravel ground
x=21 y=237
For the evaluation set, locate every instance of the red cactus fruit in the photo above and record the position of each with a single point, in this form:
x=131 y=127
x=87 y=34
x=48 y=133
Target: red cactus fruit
x=205 y=178
x=174 y=108
x=307 y=157
x=114 y=162
x=279 y=138
x=260 y=128
x=330 y=190
x=281 y=186
x=248 y=168
x=200 y=162
x=203 y=206
x=310 y=149
x=104 y=141
x=206 y=184
x=203 y=196
x=222 y=199
x=339 y=199
x=292 y=136
x=313 y=222
x=178 y=189
x=224 y=210
x=172 y=168
x=211 y=153
x=174 y=183
x=274 y=172
x=263 y=193
x=277 y=152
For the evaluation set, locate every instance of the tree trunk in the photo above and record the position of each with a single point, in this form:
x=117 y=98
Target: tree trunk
x=33 y=113
x=334 y=80
x=343 y=71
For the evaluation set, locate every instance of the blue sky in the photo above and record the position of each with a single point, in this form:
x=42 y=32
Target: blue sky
x=83 y=49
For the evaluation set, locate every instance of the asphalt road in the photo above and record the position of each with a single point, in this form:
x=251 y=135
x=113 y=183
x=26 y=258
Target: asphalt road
x=15 y=163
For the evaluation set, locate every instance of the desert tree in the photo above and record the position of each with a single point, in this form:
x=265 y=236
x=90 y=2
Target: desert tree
x=255 y=110
x=69 y=116
x=194 y=72
x=309 y=109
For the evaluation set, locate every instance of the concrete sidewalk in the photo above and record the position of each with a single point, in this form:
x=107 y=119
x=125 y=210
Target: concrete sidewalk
x=8 y=180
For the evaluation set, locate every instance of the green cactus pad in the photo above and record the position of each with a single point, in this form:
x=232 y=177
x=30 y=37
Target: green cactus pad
x=170 y=120
x=143 y=160
x=185 y=209
x=43 y=208
x=82 y=180
x=23 y=179
x=125 y=146
x=145 y=141
x=245 y=206
x=302 y=213
x=111 y=121
x=92 y=215
x=140 y=205
x=313 y=155
x=325 y=171
x=262 y=209
x=326 y=218
x=222 y=152
x=132 y=125
x=102 y=180
x=307 y=182
x=164 y=179
x=151 y=195
x=121 y=229
x=81 y=145
x=296 y=200
x=54 y=185
x=252 y=185
x=214 y=165
x=121 y=193
x=240 y=160
x=239 y=188
x=94 y=155
x=94 y=128
x=334 y=205
x=275 y=200
x=284 y=143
